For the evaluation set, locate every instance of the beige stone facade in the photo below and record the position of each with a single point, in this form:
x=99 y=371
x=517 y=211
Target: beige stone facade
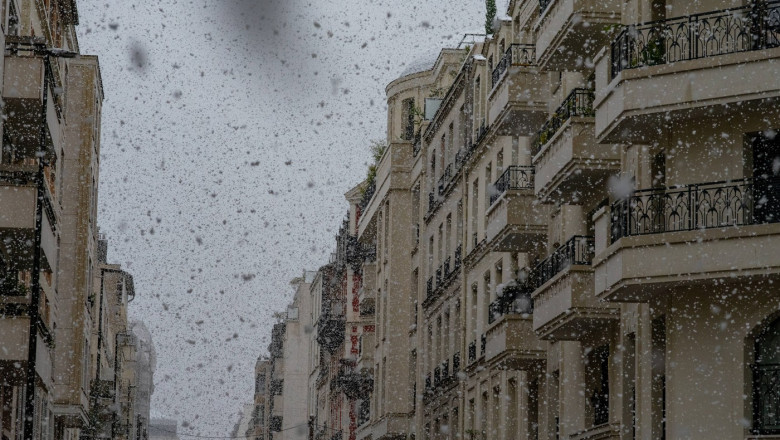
x=84 y=355
x=576 y=225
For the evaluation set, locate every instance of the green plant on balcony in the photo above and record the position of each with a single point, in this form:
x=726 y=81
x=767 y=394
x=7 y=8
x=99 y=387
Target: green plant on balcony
x=377 y=149
x=654 y=52
x=543 y=137
x=10 y=286
x=437 y=92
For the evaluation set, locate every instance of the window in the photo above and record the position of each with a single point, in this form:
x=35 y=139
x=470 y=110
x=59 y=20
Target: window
x=407 y=114
x=597 y=370
x=766 y=381
x=448 y=235
x=13 y=19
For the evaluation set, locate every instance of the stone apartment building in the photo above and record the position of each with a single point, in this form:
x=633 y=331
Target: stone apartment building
x=575 y=225
x=282 y=380
x=145 y=366
x=79 y=356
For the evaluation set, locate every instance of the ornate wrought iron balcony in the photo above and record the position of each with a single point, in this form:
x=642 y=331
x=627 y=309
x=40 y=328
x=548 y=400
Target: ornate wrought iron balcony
x=515 y=55
x=515 y=299
x=578 y=103
x=455 y=364
x=330 y=332
x=751 y=27
x=515 y=177
x=367 y=196
x=472 y=351
x=577 y=251
x=353 y=384
x=694 y=207
x=446 y=179
x=276 y=386
x=431 y=202
x=543 y=4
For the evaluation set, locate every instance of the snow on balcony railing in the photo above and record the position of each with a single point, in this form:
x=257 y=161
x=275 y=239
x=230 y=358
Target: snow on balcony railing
x=515 y=55
x=696 y=207
x=751 y=27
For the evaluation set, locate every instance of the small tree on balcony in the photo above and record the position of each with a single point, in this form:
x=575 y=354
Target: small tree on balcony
x=377 y=150
x=490 y=15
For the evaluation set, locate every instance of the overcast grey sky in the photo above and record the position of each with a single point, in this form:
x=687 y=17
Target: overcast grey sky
x=231 y=130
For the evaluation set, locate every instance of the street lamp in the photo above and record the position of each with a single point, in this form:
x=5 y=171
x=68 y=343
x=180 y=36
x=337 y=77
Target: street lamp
x=38 y=48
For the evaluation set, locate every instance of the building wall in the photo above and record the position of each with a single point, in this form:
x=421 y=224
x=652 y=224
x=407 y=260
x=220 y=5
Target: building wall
x=296 y=360
x=646 y=335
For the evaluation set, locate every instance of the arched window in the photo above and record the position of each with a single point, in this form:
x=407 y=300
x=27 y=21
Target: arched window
x=766 y=381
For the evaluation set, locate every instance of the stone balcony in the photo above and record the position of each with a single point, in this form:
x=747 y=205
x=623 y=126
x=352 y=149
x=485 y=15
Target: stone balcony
x=565 y=306
x=510 y=342
x=601 y=432
x=720 y=64
x=566 y=155
x=516 y=222
x=24 y=79
x=17 y=217
x=660 y=240
x=517 y=103
x=569 y=33
x=15 y=330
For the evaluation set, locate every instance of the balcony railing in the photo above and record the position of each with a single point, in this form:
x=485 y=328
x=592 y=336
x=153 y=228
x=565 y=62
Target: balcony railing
x=515 y=177
x=330 y=332
x=751 y=27
x=355 y=385
x=472 y=351
x=431 y=202
x=437 y=377
x=455 y=364
x=463 y=154
x=367 y=196
x=445 y=370
x=515 y=299
x=578 y=103
x=445 y=273
x=577 y=251
x=695 y=207
x=446 y=179
x=766 y=378
x=409 y=131
x=482 y=344
x=515 y=55
x=543 y=4
x=482 y=132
